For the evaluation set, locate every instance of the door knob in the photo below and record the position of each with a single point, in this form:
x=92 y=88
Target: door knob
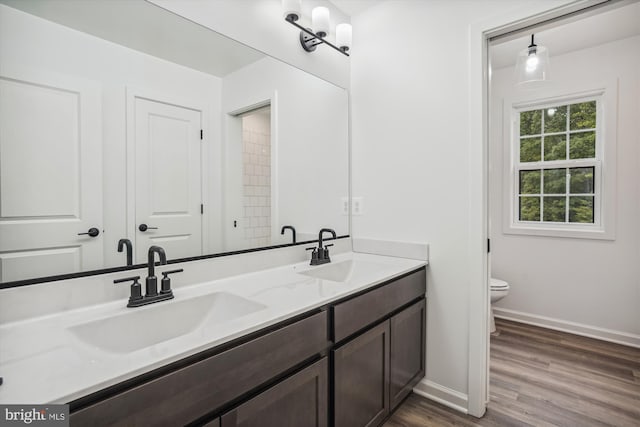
x=92 y=232
x=145 y=227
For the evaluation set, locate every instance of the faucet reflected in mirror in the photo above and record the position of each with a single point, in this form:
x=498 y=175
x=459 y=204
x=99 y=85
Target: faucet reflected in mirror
x=293 y=231
x=126 y=242
x=136 y=299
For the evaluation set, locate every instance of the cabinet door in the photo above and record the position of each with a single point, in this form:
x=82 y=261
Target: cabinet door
x=299 y=401
x=407 y=351
x=361 y=366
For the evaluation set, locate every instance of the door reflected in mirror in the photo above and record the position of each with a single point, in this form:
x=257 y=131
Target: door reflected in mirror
x=127 y=119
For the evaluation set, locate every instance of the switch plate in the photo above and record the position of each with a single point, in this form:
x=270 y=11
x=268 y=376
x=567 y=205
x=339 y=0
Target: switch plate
x=345 y=205
x=357 y=206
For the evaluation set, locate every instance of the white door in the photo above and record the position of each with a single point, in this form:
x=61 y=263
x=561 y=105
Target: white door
x=50 y=174
x=168 y=179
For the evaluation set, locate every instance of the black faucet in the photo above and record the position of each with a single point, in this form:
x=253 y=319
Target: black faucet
x=126 y=242
x=151 y=295
x=152 y=280
x=293 y=231
x=320 y=255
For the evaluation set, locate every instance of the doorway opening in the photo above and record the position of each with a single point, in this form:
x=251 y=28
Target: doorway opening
x=556 y=156
x=256 y=177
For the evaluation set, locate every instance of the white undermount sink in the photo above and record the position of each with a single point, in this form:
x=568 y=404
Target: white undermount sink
x=336 y=272
x=145 y=326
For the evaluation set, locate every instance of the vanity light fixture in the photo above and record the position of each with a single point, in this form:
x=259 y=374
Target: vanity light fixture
x=532 y=63
x=320 y=21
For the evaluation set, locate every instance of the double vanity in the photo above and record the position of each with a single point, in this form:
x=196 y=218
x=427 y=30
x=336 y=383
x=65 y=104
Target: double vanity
x=338 y=344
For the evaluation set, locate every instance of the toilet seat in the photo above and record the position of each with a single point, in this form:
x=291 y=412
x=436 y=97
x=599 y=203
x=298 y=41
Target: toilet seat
x=498 y=285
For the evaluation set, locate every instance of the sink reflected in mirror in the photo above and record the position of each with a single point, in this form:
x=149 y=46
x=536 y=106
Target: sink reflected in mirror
x=143 y=327
x=336 y=272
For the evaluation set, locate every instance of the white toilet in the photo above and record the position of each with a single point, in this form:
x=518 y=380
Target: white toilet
x=499 y=289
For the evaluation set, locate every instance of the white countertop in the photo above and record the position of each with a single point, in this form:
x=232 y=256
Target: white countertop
x=42 y=361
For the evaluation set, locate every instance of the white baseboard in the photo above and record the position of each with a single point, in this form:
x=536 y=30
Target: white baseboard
x=444 y=395
x=603 y=334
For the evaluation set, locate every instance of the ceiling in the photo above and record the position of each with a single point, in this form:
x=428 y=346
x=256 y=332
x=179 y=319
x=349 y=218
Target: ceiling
x=147 y=28
x=560 y=38
x=354 y=7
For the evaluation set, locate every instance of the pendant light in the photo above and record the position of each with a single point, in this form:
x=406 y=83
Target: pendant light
x=532 y=63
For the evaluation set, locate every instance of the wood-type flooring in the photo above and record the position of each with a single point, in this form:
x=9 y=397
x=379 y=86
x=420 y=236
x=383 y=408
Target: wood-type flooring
x=541 y=377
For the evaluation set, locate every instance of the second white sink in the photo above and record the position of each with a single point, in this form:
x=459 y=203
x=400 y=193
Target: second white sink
x=337 y=272
x=153 y=324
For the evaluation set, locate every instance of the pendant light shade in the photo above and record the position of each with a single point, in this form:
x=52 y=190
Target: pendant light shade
x=532 y=63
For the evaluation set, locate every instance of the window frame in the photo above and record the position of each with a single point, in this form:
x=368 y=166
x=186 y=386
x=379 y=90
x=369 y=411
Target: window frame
x=603 y=226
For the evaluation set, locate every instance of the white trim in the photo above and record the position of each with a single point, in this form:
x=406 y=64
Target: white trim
x=603 y=334
x=443 y=395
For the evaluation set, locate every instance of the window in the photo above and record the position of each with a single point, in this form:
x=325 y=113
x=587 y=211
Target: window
x=562 y=170
x=558 y=164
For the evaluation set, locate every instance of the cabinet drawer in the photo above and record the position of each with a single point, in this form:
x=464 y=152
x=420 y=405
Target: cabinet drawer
x=299 y=401
x=359 y=312
x=193 y=391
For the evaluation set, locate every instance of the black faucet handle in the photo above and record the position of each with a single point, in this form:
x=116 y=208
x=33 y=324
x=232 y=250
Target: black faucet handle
x=166 y=273
x=136 y=289
x=127 y=279
x=326 y=246
x=165 y=283
x=311 y=248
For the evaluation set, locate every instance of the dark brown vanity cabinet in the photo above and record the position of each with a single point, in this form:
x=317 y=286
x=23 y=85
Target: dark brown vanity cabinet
x=348 y=364
x=376 y=368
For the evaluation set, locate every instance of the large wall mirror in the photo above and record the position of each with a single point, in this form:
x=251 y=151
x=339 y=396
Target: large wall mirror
x=122 y=123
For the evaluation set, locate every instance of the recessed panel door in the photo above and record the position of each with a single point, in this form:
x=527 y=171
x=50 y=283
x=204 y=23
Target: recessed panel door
x=168 y=178
x=50 y=175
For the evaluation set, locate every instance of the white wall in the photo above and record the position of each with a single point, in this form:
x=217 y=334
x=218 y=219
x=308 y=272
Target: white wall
x=32 y=42
x=261 y=25
x=411 y=143
x=309 y=125
x=582 y=285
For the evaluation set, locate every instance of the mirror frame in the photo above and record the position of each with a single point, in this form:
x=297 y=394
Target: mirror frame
x=45 y=279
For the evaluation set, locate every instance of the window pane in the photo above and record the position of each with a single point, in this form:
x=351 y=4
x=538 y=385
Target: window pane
x=529 y=208
x=555 y=147
x=582 y=145
x=583 y=115
x=530 y=149
x=554 y=209
x=581 y=209
x=555 y=181
x=530 y=182
x=530 y=123
x=581 y=180
x=555 y=119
